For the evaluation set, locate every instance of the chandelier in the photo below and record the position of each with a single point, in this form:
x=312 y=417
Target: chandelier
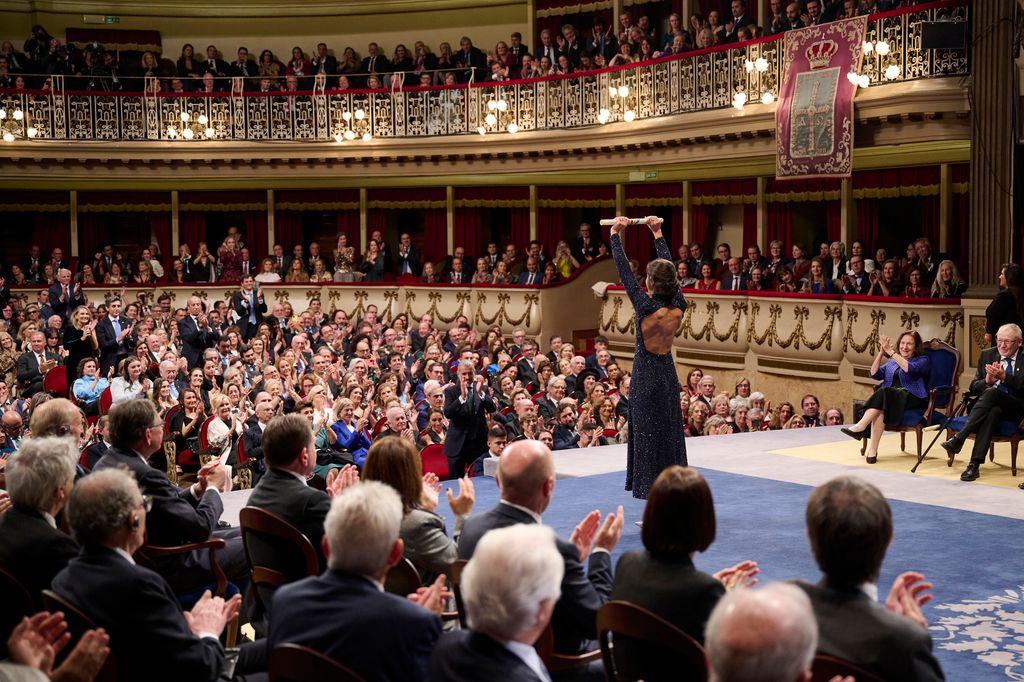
x=15 y=124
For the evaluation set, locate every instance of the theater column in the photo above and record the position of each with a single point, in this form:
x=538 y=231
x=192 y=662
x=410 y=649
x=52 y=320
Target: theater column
x=449 y=210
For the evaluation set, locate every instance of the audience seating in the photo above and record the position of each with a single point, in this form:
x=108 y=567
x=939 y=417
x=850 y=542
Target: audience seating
x=943 y=381
x=623 y=619
x=55 y=382
x=106 y=400
x=556 y=662
x=402 y=579
x=434 y=461
x=1005 y=432
x=825 y=668
x=78 y=623
x=455 y=581
x=296 y=663
x=294 y=555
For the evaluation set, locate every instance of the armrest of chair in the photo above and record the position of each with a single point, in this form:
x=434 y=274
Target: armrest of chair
x=212 y=544
x=554 y=661
x=933 y=394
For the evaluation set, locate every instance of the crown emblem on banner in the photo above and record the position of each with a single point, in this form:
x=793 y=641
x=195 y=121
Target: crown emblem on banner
x=819 y=54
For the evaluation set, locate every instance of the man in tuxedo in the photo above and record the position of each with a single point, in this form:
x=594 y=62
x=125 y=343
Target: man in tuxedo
x=108 y=515
x=849 y=525
x=527 y=365
x=324 y=63
x=735 y=279
x=250 y=307
x=466 y=405
x=554 y=346
x=526 y=476
x=40 y=476
x=280 y=260
x=179 y=516
x=408 y=260
x=856 y=282
x=214 y=64
x=345 y=613
x=585 y=247
x=547 y=47
x=472 y=60
x=243 y=67
x=457 y=275
x=500 y=643
x=252 y=437
x=33 y=364
x=739 y=20
x=33 y=265
x=547 y=404
x=249 y=265
x=115 y=336
x=999 y=382
x=531 y=276
x=195 y=332
x=65 y=296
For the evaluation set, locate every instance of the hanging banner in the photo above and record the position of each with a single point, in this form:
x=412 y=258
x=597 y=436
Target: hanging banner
x=814 y=117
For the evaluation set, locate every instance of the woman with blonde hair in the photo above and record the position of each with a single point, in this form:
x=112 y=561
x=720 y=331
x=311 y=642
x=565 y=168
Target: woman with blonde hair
x=948 y=282
x=8 y=359
x=350 y=430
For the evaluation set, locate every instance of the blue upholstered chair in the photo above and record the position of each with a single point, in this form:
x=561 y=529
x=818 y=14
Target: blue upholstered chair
x=942 y=384
x=1006 y=432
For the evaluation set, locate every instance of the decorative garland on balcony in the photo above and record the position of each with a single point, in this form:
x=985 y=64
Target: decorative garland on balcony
x=794 y=197
x=655 y=201
x=574 y=9
x=35 y=208
x=894 y=192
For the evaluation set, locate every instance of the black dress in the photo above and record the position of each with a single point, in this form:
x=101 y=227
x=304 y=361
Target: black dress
x=655 y=422
x=78 y=348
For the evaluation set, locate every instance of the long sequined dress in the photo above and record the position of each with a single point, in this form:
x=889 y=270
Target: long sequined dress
x=655 y=422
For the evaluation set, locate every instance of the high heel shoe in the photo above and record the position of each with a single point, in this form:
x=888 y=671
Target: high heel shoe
x=872 y=459
x=856 y=435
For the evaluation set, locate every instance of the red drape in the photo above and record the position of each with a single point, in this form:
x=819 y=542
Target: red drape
x=700 y=225
x=256 y=234
x=550 y=228
x=160 y=226
x=834 y=219
x=960 y=220
x=348 y=223
x=780 y=223
x=646 y=197
x=435 y=234
x=928 y=214
x=466 y=229
x=520 y=225
x=288 y=229
x=750 y=227
x=193 y=229
x=867 y=221
x=52 y=230
x=92 y=233
x=469 y=219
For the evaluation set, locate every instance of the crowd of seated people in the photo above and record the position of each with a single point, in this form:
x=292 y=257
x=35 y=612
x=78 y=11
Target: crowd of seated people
x=920 y=273
x=560 y=52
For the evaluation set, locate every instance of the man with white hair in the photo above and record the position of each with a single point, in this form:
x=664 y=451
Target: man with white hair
x=466 y=405
x=64 y=296
x=398 y=425
x=765 y=635
x=433 y=398
x=509 y=589
x=345 y=613
x=39 y=479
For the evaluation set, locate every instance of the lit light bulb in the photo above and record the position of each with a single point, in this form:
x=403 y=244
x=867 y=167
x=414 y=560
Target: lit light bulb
x=748 y=65
x=18 y=114
x=864 y=81
x=767 y=97
x=187 y=133
x=32 y=132
x=203 y=120
x=338 y=138
x=492 y=105
x=882 y=47
x=502 y=105
x=347 y=115
x=350 y=135
x=3 y=114
x=853 y=77
x=367 y=137
x=208 y=132
x=612 y=90
x=623 y=91
x=8 y=137
x=171 y=132
x=185 y=117
x=490 y=119
x=513 y=128
x=892 y=71
x=360 y=114
x=482 y=130
x=629 y=116
x=761 y=64
x=868 y=47
x=740 y=97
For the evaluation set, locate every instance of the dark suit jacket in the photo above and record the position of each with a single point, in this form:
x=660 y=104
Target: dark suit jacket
x=583 y=591
x=727 y=281
x=380 y=64
x=29 y=377
x=94 y=453
x=467 y=424
x=1015 y=383
x=33 y=550
x=524 y=277
x=280 y=493
x=413 y=258
x=745 y=20
x=853 y=627
x=110 y=349
x=195 y=340
x=148 y=633
x=475 y=60
x=470 y=656
x=71 y=302
x=240 y=304
x=546 y=408
x=379 y=636
x=583 y=253
x=857 y=288
x=564 y=438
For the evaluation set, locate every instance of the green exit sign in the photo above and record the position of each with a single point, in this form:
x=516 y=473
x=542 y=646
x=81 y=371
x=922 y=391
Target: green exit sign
x=112 y=19
x=651 y=175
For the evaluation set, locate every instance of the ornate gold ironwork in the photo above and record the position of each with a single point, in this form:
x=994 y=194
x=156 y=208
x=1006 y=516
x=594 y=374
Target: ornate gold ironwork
x=612 y=325
x=502 y=316
x=870 y=344
x=462 y=297
x=708 y=330
x=909 y=319
x=797 y=336
x=953 y=319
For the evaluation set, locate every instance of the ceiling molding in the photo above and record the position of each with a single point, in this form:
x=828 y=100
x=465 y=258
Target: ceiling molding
x=250 y=9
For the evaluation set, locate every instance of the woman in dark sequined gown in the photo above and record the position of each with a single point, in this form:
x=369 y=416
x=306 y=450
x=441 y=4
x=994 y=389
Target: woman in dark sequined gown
x=655 y=422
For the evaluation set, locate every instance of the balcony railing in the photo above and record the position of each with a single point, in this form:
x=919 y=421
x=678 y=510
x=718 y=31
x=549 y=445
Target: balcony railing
x=692 y=82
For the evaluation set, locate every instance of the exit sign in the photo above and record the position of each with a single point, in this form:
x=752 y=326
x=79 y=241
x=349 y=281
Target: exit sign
x=109 y=19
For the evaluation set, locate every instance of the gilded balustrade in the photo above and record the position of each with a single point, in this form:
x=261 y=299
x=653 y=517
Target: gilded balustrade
x=675 y=85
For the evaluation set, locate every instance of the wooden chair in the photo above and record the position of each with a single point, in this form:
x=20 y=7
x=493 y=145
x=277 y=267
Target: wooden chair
x=623 y=619
x=78 y=624
x=554 y=661
x=942 y=385
x=243 y=472
x=55 y=382
x=294 y=555
x=204 y=441
x=824 y=668
x=455 y=580
x=434 y=460
x=297 y=663
x=17 y=602
x=381 y=424
x=1005 y=432
x=402 y=579
x=106 y=400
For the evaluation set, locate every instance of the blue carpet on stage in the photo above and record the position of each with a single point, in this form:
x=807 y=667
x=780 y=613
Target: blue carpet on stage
x=976 y=618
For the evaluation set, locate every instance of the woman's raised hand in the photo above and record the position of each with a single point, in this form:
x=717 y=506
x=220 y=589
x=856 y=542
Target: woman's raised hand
x=654 y=223
x=621 y=223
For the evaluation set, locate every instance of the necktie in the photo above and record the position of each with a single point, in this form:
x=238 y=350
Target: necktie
x=735 y=283
x=117 y=326
x=39 y=360
x=66 y=297
x=252 y=307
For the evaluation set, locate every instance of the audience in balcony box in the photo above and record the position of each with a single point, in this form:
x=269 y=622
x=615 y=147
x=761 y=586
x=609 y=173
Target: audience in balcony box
x=886 y=283
x=707 y=280
x=817 y=282
x=915 y=287
x=187 y=68
x=372 y=266
x=948 y=283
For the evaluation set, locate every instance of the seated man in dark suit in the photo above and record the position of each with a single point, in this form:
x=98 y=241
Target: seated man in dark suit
x=345 y=613
x=33 y=364
x=734 y=279
x=39 y=479
x=849 y=525
x=547 y=404
x=149 y=636
x=1000 y=383
x=765 y=634
x=505 y=619
x=179 y=516
x=526 y=475
x=99 y=447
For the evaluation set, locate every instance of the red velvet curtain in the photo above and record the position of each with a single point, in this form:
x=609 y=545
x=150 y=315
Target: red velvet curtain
x=928 y=214
x=550 y=228
x=700 y=225
x=750 y=227
x=288 y=229
x=160 y=226
x=646 y=197
x=834 y=219
x=867 y=221
x=435 y=234
x=520 y=224
x=466 y=229
x=256 y=234
x=348 y=223
x=960 y=221
x=780 y=223
x=92 y=233
x=52 y=230
x=193 y=229
x=469 y=219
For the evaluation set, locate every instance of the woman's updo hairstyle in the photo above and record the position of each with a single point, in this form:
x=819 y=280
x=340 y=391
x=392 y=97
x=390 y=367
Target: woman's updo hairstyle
x=661 y=274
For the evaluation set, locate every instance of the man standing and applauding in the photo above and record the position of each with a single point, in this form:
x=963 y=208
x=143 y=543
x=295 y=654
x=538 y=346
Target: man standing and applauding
x=250 y=307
